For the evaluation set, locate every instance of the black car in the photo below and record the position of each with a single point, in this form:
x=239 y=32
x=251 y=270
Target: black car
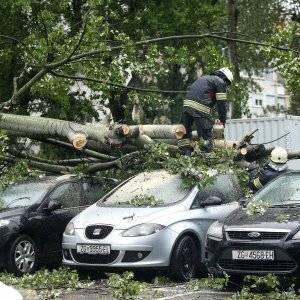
x=261 y=237
x=34 y=214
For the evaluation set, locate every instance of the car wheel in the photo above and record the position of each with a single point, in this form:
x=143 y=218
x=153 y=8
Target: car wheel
x=22 y=256
x=184 y=260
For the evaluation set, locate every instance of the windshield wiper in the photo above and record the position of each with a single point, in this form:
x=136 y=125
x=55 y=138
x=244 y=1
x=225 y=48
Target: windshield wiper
x=16 y=200
x=286 y=205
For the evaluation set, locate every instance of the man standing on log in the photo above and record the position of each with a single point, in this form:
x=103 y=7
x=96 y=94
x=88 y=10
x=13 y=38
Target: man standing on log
x=202 y=96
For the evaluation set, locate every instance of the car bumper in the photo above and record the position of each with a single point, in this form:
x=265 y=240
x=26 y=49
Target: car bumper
x=219 y=257
x=125 y=252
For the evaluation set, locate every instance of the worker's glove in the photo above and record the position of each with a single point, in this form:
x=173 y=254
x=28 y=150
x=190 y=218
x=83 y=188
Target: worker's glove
x=223 y=120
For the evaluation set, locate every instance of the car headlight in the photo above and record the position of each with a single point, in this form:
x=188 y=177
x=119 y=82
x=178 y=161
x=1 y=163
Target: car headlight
x=216 y=230
x=4 y=223
x=143 y=229
x=70 y=230
x=296 y=236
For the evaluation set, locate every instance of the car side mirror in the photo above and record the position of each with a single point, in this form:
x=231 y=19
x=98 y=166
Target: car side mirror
x=53 y=205
x=211 y=200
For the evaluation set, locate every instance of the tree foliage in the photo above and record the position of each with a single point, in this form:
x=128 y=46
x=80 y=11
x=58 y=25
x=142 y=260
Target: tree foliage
x=70 y=59
x=288 y=64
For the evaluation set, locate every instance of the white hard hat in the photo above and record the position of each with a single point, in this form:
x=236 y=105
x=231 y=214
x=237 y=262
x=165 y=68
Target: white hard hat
x=227 y=73
x=279 y=155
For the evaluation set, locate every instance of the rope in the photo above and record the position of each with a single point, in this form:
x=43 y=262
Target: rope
x=272 y=140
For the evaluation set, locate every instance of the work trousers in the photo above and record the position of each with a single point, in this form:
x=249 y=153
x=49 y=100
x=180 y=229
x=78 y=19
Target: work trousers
x=203 y=126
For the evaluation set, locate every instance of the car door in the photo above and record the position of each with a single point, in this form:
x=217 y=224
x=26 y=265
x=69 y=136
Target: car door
x=73 y=196
x=46 y=226
x=70 y=196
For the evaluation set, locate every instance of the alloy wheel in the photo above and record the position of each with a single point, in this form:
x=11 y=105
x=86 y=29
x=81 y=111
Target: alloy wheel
x=24 y=256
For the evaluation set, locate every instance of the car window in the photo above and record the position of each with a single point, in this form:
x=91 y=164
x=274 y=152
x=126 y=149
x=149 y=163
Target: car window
x=225 y=186
x=68 y=194
x=195 y=203
x=157 y=186
x=282 y=190
x=96 y=189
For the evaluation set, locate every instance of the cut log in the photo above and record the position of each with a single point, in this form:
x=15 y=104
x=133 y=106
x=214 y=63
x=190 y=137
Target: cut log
x=45 y=127
x=79 y=140
x=163 y=131
x=225 y=144
x=295 y=155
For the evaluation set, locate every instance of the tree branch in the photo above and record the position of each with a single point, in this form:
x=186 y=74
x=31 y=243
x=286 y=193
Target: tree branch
x=79 y=42
x=64 y=162
x=162 y=39
x=83 y=151
x=51 y=66
x=112 y=83
x=25 y=88
x=18 y=41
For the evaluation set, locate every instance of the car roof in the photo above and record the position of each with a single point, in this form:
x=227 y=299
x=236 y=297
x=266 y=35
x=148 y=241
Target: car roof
x=166 y=173
x=291 y=172
x=44 y=178
x=56 y=178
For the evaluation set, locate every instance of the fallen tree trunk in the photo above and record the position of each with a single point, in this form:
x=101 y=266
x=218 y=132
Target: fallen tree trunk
x=105 y=145
x=45 y=127
x=79 y=135
x=295 y=155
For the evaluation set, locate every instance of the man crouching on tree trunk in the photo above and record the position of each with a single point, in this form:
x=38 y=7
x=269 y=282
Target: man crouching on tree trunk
x=202 y=96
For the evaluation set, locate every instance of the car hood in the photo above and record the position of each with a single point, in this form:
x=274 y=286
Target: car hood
x=12 y=212
x=125 y=217
x=268 y=219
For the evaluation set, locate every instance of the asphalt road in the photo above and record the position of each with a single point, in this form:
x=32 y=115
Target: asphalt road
x=153 y=293
x=100 y=291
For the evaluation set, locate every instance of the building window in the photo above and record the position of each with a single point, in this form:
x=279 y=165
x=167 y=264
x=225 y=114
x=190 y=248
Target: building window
x=269 y=76
x=258 y=102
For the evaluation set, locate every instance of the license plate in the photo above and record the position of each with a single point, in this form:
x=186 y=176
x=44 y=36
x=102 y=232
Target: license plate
x=253 y=254
x=93 y=249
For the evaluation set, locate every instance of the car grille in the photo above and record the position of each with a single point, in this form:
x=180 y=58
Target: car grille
x=243 y=235
x=263 y=266
x=104 y=231
x=95 y=259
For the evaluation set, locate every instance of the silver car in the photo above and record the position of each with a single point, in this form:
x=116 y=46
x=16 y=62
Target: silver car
x=150 y=221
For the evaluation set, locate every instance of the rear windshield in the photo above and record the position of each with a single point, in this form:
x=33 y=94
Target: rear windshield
x=157 y=187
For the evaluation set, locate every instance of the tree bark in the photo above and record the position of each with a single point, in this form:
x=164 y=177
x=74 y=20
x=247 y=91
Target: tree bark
x=232 y=48
x=45 y=127
x=79 y=135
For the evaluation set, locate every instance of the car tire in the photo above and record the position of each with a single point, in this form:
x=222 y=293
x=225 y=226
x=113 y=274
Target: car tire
x=184 y=260
x=22 y=256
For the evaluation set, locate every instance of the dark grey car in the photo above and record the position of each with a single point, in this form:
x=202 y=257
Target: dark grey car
x=262 y=237
x=34 y=214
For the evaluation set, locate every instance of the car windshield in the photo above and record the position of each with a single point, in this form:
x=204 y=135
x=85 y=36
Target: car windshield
x=23 y=193
x=148 y=189
x=284 y=190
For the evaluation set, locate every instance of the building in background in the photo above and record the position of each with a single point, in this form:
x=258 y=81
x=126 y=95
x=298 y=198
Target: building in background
x=272 y=100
